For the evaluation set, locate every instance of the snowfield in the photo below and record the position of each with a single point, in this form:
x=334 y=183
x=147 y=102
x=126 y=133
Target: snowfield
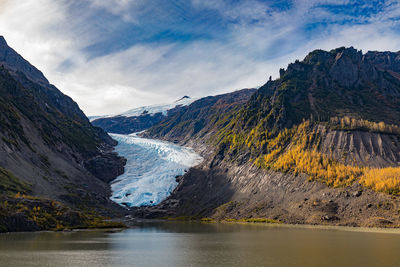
x=150 y=171
x=153 y=109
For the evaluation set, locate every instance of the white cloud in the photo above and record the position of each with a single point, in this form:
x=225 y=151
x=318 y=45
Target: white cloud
x=48 y=34
x=26 y=24
x=121 y=8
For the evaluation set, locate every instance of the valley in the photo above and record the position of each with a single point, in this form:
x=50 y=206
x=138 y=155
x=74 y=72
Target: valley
x=309 y=147
x=151 y=170
x=54 y=165
x=199 y=133
x=291 y=155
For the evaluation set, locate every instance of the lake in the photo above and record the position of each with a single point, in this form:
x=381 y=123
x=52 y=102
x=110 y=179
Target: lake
x=202 y=244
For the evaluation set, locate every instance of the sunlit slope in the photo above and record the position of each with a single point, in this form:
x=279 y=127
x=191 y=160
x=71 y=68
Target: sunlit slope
x=334 y=116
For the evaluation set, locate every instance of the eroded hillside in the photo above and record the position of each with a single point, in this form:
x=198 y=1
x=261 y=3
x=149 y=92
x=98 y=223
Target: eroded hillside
x=48 y=151
x=318 y=145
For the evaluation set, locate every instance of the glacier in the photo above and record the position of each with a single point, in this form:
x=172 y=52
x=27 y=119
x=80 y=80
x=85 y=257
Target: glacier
x=153 y=109
x=151 y=169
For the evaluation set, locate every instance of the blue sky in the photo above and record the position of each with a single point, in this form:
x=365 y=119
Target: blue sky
x=113 y=55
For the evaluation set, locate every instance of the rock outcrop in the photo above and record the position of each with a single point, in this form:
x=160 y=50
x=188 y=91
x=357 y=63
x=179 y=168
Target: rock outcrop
x=48 y=144
x=14 y=62
x=340 y=106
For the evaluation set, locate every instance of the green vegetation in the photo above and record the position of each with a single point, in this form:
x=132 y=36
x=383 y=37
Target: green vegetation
x=252 y=220
x=204 y=116
x=35 y=118
x=278 y=128
x=384 y=179
x=62 y=174
x=34 y=213
x=10 y=184
x=348 y=123
x=44 y=159
x=295 y=151
x=56 y=117
x=43 y=214
x=181 y=218
x=211 y=220
x=9 y=142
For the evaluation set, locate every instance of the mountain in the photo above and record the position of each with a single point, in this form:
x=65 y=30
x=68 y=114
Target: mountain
x=318 y=145
x=53 y=162
x=139 y=119
x=15 y=63
x=203 y=117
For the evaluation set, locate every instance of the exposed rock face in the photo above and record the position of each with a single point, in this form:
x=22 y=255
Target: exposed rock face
x=222 y=189
x=341 y=82
x=345 y=69
x=365 y=148
x=14 y=62
x=244 y=191
x=127 y=125
x=47 y=141
x=34 y=214
x=106 y=167
x=199 y=118
x=384 y=60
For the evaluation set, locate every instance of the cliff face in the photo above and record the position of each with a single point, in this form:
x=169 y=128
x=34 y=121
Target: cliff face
x=48 y=148
x=319 y=145
x=225 y=189
x=15 y=63
x=341 y=82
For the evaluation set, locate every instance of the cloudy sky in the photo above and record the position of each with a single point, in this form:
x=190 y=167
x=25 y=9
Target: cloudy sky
x=113 y=55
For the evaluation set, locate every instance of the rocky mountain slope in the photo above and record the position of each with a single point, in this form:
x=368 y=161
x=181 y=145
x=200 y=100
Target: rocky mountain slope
x=203 y=117
x=319 y=145
x=48 y=150
x=139 y=119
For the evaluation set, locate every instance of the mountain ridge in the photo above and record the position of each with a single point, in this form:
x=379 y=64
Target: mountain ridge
x=139 y=119
x=318 y=145
x=49 y=152
x=15 y=62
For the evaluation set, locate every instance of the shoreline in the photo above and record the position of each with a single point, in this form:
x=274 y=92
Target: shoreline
x=325 y=227
x=134 y=223
x=389 y=230
x=106 y=230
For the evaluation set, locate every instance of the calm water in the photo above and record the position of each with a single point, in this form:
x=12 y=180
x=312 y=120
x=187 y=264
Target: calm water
x=185 y=244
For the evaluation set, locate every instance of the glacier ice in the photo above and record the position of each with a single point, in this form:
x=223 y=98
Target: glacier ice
x=161 y=108
x=150 y=171
x=153 y=109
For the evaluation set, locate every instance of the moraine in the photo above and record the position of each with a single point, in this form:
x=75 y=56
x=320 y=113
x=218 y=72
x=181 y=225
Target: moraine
x=151 y=169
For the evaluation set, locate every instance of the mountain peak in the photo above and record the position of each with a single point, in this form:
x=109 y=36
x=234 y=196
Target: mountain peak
x=14 y=62
x=341 y=82
x=2 y=41
x=182 y=98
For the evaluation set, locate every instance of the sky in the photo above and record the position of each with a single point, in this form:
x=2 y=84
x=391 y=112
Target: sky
x=114 y=55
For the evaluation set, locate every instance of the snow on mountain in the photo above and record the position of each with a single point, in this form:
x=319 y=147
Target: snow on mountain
x=152 y=109
x=151 y=169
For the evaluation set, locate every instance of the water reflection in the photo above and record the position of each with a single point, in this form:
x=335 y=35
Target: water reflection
x=192 y=244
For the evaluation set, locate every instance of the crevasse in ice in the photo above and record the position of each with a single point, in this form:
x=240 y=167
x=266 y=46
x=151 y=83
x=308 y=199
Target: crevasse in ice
x=150 y=171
